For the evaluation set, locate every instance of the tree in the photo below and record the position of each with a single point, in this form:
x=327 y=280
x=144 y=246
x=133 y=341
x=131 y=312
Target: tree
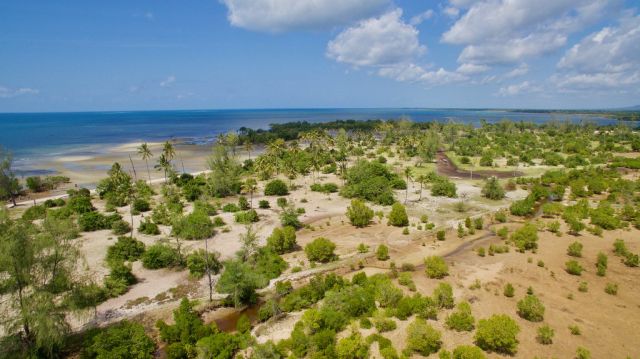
x=239 y=281
x=145 y=153
x=9 y=184
x=468 y=352
x=498 y=333
x=250 y=186
x=461 y=319
x=320 y=250
x=224 y=178
x=122 y=340
x=352 y=347
x=359 y=214
x=436 y=267
x=398 y=215
x=407 y=175
x=276 y=188
x=282 y=240
x=531 y=309
x=382 y=253
x=423 y=338
x=492 y=189
x=526 y=237
x=194 y=226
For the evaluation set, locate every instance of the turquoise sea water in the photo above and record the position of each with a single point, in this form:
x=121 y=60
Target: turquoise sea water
x=35 y=137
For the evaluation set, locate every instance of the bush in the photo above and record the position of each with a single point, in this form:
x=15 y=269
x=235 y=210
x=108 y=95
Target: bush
x=531 y=309
x=247 y=217
x=197 y=263
x=359 y=214
x=575 y=249
x=423 y=338
x=611 y=288
x=545 y=335
x=276 y=188
x=436 y=267
x=382 y=253
x=282 y=240
x=194 y=226
x=243 y=203
x=525 y=237
x=264 y=204
x=468 y=352
x=160 y=256
x=34 y=212
x=583 y=353
x=320 y=250
x=443 y=296
x=141 y=205
x=442 y=187
x=498 y=333
x=462 y=319
x=440 y=235
x=509 y=291
x=398 y=216
x=92 y=221
x=492 y=189
x=120 y=227
x=371 y=181
x=522 y=208
x=230 y=208
x=148 y=227
x=384 y=324
x=122 y=340
x=352 y=347
x=573 y=267
x=289 y=218
x=125 y=249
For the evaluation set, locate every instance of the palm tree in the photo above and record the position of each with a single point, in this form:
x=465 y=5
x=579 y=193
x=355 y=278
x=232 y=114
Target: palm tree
x=421 y=179
x=248 y=146
x=250 y=186
x=145 y=152
x=168 y=151
x=164 y=165
x=407 y=173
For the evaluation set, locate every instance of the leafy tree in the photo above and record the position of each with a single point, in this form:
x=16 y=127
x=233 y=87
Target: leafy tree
x=9 y=184
x=492 y=189
x=145 y=153
x=352 y=347
x=371 y=181
x=160 y=256
x=276 y=188
x=199 y=262
x=442 y=187
x=423 y=338
x=239 y=281
x=224 y=178
x=289 y=217
x=282 y=240
x=123 y=340
x=117 y=188
x=398 y=215
x=531 y=309
x=320 y=250
x=194 y=226
x=359 y=214
x=526 y=237
x=436 y=267
x=461 y=319
x=443 y=296
x=498 y=333
x=382 y=253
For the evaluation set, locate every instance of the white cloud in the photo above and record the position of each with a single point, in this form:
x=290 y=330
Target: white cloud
x=451 y=11
x=518 y=89
x=284 y=15
x=510 y=31
x=381 y=41
x=472 y=69
x=168 y=81
x=420 y=18
x=6 y=92
x=521 y=70
x=415 y=73
x=607 y=58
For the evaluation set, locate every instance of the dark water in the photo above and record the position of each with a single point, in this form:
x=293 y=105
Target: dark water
x=35 y=137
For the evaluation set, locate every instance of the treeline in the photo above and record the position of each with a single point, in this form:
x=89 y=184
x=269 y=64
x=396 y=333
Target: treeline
x=292 y=130
x=618 y=115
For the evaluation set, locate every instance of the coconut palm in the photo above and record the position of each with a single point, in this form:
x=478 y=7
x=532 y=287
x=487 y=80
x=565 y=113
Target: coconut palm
x=145 y=153
x=250 y=186
x=407 y=173
x=248 y=146
x=168 y=151
x=163 y=165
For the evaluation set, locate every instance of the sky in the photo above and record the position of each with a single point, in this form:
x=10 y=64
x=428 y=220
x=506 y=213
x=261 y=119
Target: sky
x=116 y=55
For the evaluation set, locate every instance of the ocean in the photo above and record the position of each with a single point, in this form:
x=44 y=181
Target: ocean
x=37 y=137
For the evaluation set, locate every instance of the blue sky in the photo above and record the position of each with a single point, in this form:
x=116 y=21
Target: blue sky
x=72 y=55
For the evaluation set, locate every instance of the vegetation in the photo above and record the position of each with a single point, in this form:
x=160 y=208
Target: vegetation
x=398 y=215
x=359 y=214
x=320 y=250
x=371 y=181
x=531 y=309
x=498 y=333
x=436 y=267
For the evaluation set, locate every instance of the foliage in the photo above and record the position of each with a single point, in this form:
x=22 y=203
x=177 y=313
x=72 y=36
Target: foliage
x=224 y=179
x=442 y=187
x=320 y=250
x=282 y=240
x=371 y=181
x=160 y=256
x=247 y=217
x=239 y=281
x=194 y=226
x=289 y=217
x=359 y=213
x=352 y=347
x=575 y=249
x=573 y=267
x=531 y=309
x=468 y=352
x=611 y=288
x=492 y=189
x=123 y=340
x=545 y=335
x=423 y=338
x=436 y=267
x=525 y=237
x=125 y=249
x=200 y=260
x=498 y=333
x=382 y=253
x=264 y=204
x=148 y=227
x=443 y=295
x=398 y=215
x=276 y=188
x=440 y=235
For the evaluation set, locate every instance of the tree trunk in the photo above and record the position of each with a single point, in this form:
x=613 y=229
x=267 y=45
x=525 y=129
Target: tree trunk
x=206 y=259
x=148 y=172
x=135 y=175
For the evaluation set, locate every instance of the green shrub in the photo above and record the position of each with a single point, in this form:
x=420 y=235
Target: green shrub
x=243 y=203
x=468 y=352
x=264 y=204
x=141 y=205
x=125 y=249
x=531 y=309
x=148 y=227
x=583 y=353
x=120 y=227
x=247 y=217
x=352 y=347
x=92 y=221
x=443 y=296
x=384 y=324
x=501 y=216
x=205 y=207
x=525 y=237
x=522 y=208
x=276 y=188
x=34 y=212
x=492 y=189
x=160 y=256
x=382 y=253
x=230 y=208
x=398 y=215
x=194 y=226
x=619 y=247
x=122 y=340
x=611 y=288
x=371 y=181
x=436 y=267
x=359 y=214
x=197 y=263
x=282 y=240
x=442 y=187
x=422 y=338
x=440 y=235
x=545 y=335
x=289 y=218
x=574 y=330
x=498 y=333
x=575 y=249
x=509 y=291
x=320 y=250
x=573 y=267
x=462 y=319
